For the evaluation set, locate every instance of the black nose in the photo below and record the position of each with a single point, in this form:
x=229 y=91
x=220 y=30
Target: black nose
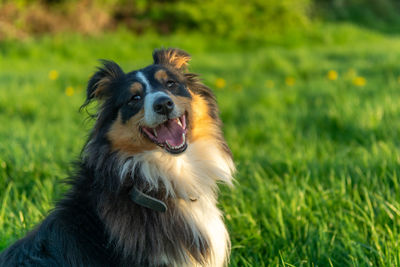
x=163 y=105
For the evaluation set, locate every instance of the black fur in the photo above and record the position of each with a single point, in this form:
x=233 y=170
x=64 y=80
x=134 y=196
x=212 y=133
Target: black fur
x=88 y=226
x=72 y=235
x=75 y=233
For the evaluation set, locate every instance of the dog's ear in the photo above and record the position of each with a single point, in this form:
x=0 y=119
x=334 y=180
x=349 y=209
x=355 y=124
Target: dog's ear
x=99 y=86
x=176 y=58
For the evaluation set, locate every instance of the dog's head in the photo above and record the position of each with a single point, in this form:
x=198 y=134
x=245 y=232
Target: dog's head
x=157 y=107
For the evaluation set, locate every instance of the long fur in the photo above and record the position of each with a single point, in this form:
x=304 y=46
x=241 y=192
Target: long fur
x=97 y=224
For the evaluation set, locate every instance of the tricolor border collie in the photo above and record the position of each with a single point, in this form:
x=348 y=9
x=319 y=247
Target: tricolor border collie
x=145 y=188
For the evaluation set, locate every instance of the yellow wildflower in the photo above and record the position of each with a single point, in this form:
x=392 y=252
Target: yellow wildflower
x=69 y=91
x=53 y=75
x=332 y=75
x=269 y=84
x=359 y=81
x=220 y=83
x=290 y=81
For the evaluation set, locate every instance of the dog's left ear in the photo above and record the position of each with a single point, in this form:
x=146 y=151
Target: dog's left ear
x=176 y=58
x=101 y=83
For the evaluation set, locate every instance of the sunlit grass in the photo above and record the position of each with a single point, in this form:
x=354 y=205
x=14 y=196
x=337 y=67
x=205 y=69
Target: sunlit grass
x=317 y=154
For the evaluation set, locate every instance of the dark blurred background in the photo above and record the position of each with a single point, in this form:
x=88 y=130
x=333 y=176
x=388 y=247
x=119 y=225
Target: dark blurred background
x=242 y=20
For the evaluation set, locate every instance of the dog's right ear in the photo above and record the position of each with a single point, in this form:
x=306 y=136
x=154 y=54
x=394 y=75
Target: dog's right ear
x=100 y=84
x=174 y=57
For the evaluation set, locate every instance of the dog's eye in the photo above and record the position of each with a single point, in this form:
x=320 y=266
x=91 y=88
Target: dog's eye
x=135 y=99
x=171 y=84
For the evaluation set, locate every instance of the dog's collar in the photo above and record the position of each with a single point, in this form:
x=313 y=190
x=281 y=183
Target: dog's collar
x=147 y=201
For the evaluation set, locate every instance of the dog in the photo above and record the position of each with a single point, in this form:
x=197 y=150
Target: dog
x=144 y=190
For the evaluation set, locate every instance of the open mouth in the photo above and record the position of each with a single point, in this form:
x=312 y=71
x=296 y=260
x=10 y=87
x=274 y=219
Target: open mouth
x=170 y=135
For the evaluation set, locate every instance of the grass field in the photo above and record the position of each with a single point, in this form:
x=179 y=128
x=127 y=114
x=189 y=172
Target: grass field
x=314 y=129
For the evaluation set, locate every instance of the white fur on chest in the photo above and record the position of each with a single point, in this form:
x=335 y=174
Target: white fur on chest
x=208 y=218
x=194 y=173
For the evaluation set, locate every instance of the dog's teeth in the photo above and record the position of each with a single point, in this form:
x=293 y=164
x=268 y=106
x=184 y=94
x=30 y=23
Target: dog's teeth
x=168 y=144
x=183 y=142
x=155 y=132
x=179 y=122
x=179 y=146
x=184 y=121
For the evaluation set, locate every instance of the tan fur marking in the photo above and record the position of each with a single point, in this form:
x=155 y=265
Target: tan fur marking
x=174 y=57
x=161 y=76
x=126 y=137
x=178 y=61
x=203 y=126
x=136 y=87
x=100 y=86
x=183 y=103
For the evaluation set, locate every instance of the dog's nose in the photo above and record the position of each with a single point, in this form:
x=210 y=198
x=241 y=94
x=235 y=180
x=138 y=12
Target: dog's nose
x=163 y=105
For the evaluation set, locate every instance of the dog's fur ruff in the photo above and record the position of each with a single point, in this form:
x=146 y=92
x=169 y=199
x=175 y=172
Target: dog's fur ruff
x=97 y=224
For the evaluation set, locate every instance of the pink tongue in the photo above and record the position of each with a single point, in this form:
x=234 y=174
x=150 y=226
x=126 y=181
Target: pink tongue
x=170 y=131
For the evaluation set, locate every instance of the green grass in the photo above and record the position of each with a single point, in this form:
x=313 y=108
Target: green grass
x=318 y=162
